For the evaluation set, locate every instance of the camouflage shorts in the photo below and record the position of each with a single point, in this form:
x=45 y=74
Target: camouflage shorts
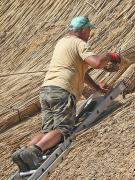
x=58 y=109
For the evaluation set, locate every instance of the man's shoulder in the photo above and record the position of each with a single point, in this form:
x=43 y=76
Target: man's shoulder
x=70 y=38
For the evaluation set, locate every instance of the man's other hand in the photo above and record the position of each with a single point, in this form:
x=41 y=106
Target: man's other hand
x=104 y=88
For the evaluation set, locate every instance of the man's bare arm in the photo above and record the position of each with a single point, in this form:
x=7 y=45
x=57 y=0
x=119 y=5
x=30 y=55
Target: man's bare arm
x=103 y=89
x=91 y=82
x=97 y=62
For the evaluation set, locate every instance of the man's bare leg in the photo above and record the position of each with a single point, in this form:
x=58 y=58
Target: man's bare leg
x=49 y=140
x=36 y=139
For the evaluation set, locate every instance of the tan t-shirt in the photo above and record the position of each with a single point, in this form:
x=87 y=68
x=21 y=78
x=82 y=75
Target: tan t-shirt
x=67 y=67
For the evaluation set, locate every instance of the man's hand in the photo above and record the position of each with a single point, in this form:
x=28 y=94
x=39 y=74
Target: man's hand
x=114 y=61
x=104 y=88
x=112 y=67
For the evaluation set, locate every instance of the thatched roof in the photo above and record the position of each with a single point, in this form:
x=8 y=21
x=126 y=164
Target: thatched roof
x=29 y=31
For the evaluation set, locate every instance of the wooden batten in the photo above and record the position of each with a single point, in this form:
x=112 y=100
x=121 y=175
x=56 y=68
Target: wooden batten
x=21 y=114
